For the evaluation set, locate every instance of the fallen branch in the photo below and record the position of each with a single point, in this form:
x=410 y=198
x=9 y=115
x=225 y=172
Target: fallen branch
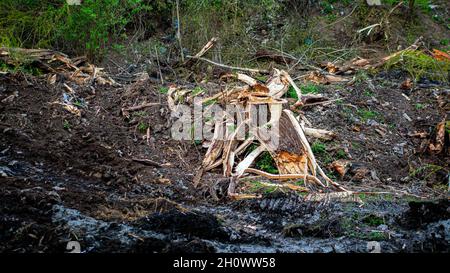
x=148 y=162
x=210 y=44
x=319 y=133
x=138 y=107
x=308 y=177
x=253 y=70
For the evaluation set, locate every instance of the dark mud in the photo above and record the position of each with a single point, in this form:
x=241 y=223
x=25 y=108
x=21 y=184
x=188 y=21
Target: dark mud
x=64 y=178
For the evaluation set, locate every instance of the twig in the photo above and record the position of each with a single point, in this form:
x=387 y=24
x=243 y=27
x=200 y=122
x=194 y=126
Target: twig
x=341 y=19
x=159 y=66
x=254 y=70
x=210 y=44
x=147 y=162
x=179 y=31
x=322 y=102
x=285 y=176
x=138 y=107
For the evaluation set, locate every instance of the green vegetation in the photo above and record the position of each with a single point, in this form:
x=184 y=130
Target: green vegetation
x=368 y=93
x=197 y=90
x=266 y=163
x=423 y=5
x=361 y=227
x=258 y=187
x=66 y=125
x=163 y=90
x=426 y=170
x=310 y=89
x=98 y=25
x=373 y=220
x=88 y=28
x=418 y=65
x=361 y=76
x=291 y=93
x=262 y=78
x=375 y=236
x=367 y=114
x=142 y=127
x=318 y=147
x=140 y=114
x=320 y=151
x=228 y=20
x=341 y=154
x=419 y=106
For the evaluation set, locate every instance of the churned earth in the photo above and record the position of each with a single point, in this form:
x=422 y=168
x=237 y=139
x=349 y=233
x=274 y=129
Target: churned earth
x=67 y=178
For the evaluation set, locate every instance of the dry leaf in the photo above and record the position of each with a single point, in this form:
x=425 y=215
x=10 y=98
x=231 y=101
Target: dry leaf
x=406 y=85
x=440 y=55
x=438 y=145
x=340 y=166
x=72 y=109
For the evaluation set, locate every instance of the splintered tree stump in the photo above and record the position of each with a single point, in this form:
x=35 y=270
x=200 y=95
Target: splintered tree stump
x=282 y=135
x=290 y=155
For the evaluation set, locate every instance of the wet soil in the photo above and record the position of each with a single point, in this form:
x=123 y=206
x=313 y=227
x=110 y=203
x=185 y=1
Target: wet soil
x=66 y=178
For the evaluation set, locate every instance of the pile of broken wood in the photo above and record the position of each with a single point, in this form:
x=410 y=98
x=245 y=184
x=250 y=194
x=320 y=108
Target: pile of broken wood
x=53 y=63
x=292 y=153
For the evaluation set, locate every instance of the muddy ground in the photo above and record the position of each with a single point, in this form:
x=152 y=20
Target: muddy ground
x=65 y=178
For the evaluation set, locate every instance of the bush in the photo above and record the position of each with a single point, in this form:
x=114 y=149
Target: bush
x=88 y=28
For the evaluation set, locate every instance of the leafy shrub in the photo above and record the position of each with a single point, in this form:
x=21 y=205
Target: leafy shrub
x=97 y=22
x=88 y=28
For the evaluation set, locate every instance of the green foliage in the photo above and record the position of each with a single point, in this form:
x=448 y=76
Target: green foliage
x=367 y=114
x=424 y=5
x=197 y=90
x=163 y=90
x=97 y=22
x=258 y=187
x=373 y=220
x=20 y=63
x=327 y=6
x=291 y=93
x=426 y=171
x=340 y=154
x=361 y=76
x=310 y=88
x=444 y=42
x=66 y=125
x=318 y=147
x=368 y=93
x=142 y=127
x=28 y=22
x=419 y=106
x=266 y=163
x=88 y=28
x=419 y=65
x=140 y=114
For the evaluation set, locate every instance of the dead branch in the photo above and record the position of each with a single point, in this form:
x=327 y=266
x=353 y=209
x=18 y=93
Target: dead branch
x=139 y=107
x=210 y=44
x=252 y=70
x=319 y=133
x=147 y=162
